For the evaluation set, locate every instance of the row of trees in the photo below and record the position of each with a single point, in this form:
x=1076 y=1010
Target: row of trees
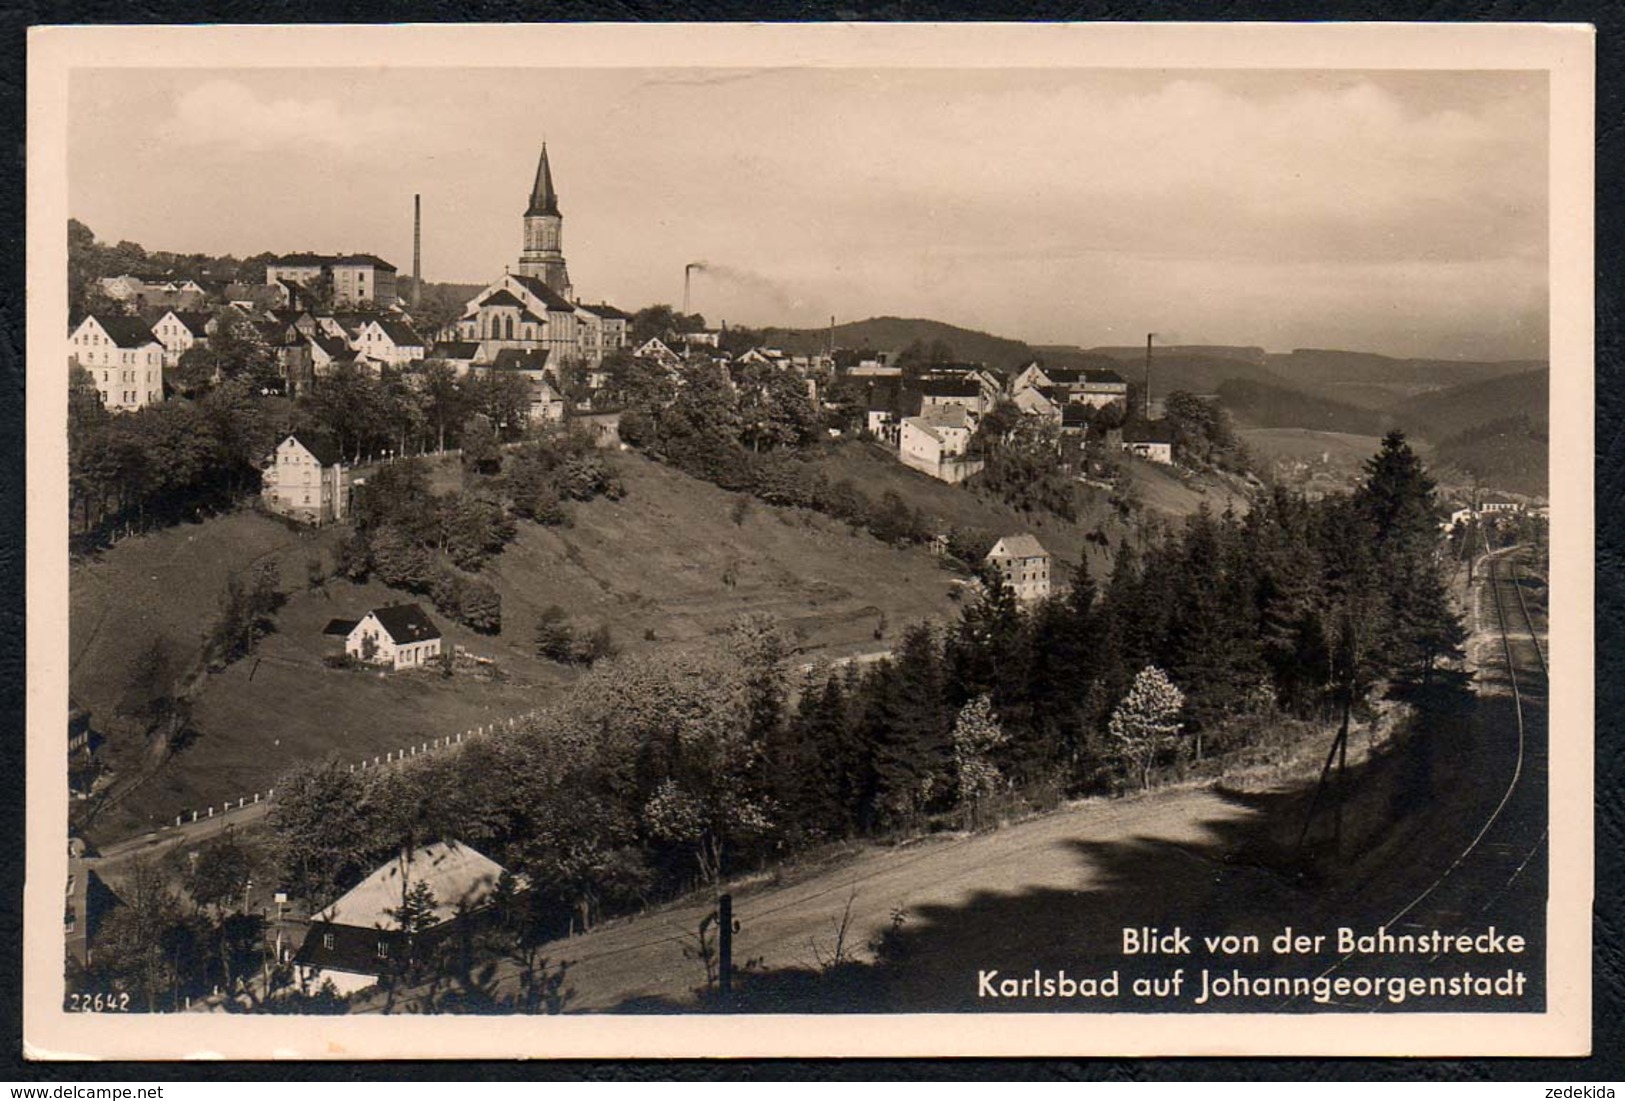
x=658 y=771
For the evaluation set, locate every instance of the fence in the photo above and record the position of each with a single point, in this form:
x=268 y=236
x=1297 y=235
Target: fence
x=384 y=760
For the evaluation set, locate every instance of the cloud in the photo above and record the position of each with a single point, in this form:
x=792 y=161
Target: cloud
x=228 y=113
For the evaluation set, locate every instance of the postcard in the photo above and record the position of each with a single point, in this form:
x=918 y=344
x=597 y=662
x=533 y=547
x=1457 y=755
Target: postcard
x=787 y=540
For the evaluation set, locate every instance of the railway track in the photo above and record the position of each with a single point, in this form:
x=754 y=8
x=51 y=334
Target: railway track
x=1508 y=850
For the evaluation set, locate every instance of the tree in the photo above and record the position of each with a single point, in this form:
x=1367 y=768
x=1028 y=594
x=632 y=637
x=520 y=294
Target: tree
x=976 y=736
x=149 y=946
x=318 y=830
x=1147 y=720
x=555 y=640
x=482 y=450
x=217 y=879
x=416 y=913
x=444 y=402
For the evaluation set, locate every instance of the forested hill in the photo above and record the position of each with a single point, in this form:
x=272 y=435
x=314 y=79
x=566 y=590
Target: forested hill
x=893 y=334
x=1377 y=381
x=1267 y=405
x=1442 y=414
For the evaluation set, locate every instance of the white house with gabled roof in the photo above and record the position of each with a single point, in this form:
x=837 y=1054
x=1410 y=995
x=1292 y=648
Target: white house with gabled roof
x=306 y=479
x=401 y=636
x=124 y=360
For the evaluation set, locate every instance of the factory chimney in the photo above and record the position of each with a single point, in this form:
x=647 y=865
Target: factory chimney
x=417 y=250
x=1148 y=337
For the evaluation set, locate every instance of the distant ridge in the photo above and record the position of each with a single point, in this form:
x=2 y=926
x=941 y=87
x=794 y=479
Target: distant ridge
x=1255 y=356
x=893 y=334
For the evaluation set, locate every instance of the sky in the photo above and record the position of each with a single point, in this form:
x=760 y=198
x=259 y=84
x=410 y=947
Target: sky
x=1397 y=212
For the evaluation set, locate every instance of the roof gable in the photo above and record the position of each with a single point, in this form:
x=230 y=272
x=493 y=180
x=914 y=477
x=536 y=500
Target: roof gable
x=323 y=449
x=459 y=875
x=1018 y=546
x=125 y=332
x=406 y=623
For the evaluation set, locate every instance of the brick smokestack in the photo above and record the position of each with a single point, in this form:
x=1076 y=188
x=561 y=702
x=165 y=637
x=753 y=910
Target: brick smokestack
x=417 y=250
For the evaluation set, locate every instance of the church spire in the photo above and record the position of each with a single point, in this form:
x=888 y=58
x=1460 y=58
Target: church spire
x=543 y=199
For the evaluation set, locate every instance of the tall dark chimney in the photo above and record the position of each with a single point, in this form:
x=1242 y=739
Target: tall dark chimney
x=417 y=250
x=1148 y=337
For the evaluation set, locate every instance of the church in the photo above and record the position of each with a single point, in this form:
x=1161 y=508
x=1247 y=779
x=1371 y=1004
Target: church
x=534 y=308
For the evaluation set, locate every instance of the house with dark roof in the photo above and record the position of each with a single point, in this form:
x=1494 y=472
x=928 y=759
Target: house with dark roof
x=401 y=636
x=353 y=941
x=1151 y=440
x=962 y=391
x=306 y=479
x=461 y=354
x=388 y=341
x=124 y=359
x=361 y=279
x=1097 y=386
x=179 y=331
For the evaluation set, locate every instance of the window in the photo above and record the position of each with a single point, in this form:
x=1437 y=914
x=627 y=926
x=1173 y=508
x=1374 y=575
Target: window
x=327 y=941
x=383 y=949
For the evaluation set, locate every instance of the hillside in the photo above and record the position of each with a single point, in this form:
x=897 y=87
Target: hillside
x=667 y=564
x=893 y=334
x=1442 y=414
x=1266 y=405
x=1199 y=374
x=1377 y=381
x=1509 y=454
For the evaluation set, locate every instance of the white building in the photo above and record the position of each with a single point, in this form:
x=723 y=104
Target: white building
x=179 y=331
x=400 y=636
x=935 y=442
x=124 y=360
x=1025 y=565
x=306 y=480
x=388 y=341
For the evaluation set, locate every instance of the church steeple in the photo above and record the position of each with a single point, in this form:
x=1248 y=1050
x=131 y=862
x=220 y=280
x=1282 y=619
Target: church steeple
x=543 y=199
x=543 y=255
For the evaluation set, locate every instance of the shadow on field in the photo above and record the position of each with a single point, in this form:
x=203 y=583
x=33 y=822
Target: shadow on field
x=1406 y=813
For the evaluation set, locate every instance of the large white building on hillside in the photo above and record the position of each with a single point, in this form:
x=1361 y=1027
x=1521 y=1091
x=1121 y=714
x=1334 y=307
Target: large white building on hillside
x=124 y=359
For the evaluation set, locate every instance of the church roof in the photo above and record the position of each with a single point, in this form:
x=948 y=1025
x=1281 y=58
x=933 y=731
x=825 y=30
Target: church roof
x=543 y=199
x=550 y=297
x=501 y=298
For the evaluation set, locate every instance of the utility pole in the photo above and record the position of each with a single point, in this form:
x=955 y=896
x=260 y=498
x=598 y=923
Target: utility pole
x=725 y=945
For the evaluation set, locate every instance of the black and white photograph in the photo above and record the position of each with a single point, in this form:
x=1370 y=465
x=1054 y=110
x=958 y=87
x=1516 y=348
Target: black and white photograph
x=809 y=540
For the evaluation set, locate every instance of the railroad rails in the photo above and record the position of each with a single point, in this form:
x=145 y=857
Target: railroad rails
x=1499 y=874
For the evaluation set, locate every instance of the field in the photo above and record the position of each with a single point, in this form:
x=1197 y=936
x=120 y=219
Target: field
x=1309 y=445
x=673 y=562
